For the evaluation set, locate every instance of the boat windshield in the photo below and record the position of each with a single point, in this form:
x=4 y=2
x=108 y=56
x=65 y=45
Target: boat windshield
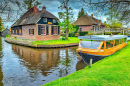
x=90 y=44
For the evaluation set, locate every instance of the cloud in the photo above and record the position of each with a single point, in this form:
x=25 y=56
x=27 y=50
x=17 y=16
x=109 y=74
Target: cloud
x=52 y=7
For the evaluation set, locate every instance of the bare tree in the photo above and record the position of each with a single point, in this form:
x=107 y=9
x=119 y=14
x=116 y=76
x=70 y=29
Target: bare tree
x=7 y=10
x=122 y=7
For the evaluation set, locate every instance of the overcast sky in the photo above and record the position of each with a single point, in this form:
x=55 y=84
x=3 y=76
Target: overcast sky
x=52 y=7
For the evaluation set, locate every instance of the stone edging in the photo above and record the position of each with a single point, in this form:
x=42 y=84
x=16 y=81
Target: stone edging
x=28 y=44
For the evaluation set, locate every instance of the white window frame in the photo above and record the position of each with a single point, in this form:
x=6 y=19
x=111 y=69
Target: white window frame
x=45 y=20
x=54 y=20
x=45 y=29
x=57 y=30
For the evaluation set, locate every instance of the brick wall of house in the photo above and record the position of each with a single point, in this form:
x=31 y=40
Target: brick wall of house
x=86 y=28
x=90 y=28
x=26 y=35
x=25 y=32
x=47 y=37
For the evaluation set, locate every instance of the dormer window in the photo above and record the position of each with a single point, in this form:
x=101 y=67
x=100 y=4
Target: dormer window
x=44 y=19
x=54 y=20
x=99 y=23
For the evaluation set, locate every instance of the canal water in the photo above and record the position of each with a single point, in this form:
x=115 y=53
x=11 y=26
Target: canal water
x=23 y=66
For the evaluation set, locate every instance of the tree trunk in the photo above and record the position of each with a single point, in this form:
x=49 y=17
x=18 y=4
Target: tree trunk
x=67 y=18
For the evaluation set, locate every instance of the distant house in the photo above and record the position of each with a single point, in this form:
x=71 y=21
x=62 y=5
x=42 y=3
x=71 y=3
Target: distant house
x=38 y=25
x=5 y=32
x=89 y=23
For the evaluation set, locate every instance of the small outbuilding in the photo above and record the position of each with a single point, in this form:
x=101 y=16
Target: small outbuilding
x=37 y=25
x=5 y=32
x=89 y=23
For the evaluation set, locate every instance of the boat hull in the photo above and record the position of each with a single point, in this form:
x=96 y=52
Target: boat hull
x=86 y=57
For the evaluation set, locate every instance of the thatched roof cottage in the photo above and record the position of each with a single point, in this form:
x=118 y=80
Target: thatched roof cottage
x=89 y=23
x=38 y=25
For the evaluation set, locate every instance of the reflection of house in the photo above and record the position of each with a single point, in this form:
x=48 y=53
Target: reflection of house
x=38 y=25
x=39 y=59
x=89 y=23
x=5 y=32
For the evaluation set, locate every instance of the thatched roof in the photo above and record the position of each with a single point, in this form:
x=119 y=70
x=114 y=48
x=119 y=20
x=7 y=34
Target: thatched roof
x=32 y=16
x=87 y=20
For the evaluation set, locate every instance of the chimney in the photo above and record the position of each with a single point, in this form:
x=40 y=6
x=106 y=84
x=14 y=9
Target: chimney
x=92 y=15
x=28 y=8
x=44 y=8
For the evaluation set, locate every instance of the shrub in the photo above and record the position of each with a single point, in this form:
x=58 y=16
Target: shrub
x=15 y=37
x=83 y=33
x=115 y=33
x=63 y=38
x=7 y=36
x=107 y=33
x=91 y=33
x=71 y=35
x=76 y=34
x=120 y=34
x=99 y=34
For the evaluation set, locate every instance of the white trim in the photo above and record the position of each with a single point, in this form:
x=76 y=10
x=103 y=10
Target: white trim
x=38 y=20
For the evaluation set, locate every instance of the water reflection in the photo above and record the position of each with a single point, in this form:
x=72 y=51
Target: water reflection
x=1 y=73
x=23 y=66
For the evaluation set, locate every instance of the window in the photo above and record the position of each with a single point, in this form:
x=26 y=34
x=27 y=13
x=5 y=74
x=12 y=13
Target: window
x=117 y=42
x=98 y=28
x=124 y=40
x=54 y=20
x=13 y=31
x=43 y=30
x=80 y=29
x=109 y=44
x=93 y=28
x=31 y=31
x=20 y=31
x=45 y=19
x=55 y=30
x=16 y=31
x=99 y=23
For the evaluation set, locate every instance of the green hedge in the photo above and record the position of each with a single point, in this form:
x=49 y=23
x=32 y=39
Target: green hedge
x=71 y=35
x=83 y=33
x=109 y=33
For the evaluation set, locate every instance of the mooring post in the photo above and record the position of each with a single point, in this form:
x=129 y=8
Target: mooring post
x=91 y=60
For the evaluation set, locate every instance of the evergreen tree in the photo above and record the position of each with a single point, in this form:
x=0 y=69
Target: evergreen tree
x=81 y=13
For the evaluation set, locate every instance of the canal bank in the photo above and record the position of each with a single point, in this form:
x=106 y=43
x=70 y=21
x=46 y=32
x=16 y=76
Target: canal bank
x=44 y=44
x=110 y=71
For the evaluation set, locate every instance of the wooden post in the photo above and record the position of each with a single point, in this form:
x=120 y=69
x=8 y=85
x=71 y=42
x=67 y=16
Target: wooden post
x=80 y=42
x=119 y=41
x=113 y=43
x=91 y=60
x=104 y=45
x=123 y=31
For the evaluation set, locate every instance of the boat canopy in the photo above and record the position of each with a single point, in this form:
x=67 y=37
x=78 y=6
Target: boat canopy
x=102 y=37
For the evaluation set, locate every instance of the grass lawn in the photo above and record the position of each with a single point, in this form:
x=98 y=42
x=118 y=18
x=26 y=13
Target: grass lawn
x=55 y=42
x=110 y=71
